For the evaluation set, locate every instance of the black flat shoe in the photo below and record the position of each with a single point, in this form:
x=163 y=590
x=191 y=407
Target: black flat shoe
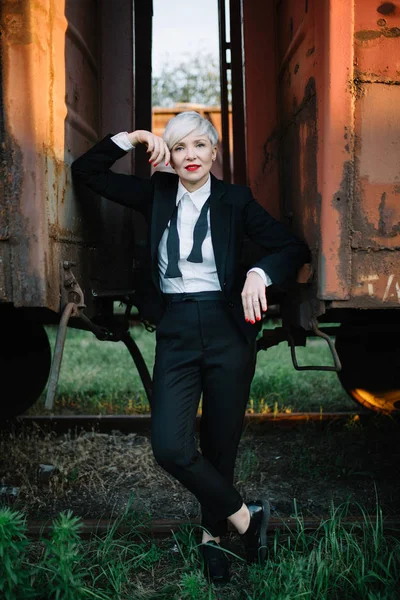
x=215 y=563
x=255 y=538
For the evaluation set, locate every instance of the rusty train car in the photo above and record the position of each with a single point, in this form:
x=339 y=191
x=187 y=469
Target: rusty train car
x=315 y=132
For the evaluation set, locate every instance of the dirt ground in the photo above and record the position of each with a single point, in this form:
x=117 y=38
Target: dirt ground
x=304 y=468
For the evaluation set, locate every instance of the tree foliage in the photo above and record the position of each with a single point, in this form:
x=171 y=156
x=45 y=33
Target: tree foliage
x=194 y=79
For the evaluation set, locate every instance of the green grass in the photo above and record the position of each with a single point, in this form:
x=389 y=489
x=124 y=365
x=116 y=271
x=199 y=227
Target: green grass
x=100 y=377
x=338 y=561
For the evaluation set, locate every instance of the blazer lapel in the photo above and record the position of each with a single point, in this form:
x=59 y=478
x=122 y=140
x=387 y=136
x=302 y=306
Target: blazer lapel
x=163 y=207
x=220 y=219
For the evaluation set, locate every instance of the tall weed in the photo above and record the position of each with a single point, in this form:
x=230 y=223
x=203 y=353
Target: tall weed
x=115 y=558
x=338 y=561
x=63 y=564
x=15 y=581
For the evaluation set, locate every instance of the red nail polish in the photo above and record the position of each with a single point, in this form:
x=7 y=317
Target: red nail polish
x=258 y=318
x=247 y=320
x=155 y=164
x=252 y=322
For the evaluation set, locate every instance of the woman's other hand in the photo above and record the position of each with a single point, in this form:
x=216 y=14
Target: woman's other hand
x=254 y=297
x=156 y=146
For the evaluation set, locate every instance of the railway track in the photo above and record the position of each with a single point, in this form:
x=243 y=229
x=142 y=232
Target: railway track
x=161 y=528
x=60 y=424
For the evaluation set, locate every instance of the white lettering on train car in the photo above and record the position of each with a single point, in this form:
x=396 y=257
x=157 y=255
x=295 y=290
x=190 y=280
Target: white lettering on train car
x=368 y=279
x=392 y=288
x=388 y=286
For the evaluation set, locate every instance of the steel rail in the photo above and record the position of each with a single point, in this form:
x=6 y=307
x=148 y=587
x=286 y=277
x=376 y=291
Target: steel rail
x=142 y=422
x=163 y=527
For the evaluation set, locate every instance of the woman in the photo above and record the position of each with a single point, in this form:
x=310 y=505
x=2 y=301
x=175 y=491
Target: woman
x=207 y=310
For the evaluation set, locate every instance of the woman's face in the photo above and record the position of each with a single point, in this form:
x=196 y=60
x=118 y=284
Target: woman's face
x=192 y=159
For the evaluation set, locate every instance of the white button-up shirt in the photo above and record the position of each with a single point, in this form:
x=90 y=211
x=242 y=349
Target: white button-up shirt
x=196 y=277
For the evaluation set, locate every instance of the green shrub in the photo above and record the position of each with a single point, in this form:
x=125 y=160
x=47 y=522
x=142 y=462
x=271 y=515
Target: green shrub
x=15 y=581
x=63 y=561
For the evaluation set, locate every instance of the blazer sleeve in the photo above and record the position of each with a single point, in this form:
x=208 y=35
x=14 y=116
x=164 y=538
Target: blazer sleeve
x=93 y=170
x=285 y=253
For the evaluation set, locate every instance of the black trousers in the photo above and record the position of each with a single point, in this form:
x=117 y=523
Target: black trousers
x=201 y=352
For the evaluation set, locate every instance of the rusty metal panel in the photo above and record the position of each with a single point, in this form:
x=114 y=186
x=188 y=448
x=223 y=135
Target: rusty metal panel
x=375 y=239
x=291 y=17
x=261 y=109
x=30 y=54
x=376 y=41
x=336 y=140
x=299 y=60
x=95 y=232
x=282 y=65
x=296 y=55
x=376 y=209
x=337 y=76
x=59 y=95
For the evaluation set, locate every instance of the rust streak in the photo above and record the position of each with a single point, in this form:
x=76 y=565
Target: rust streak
x=365 y=36
x=386 y=8
x=372 y=34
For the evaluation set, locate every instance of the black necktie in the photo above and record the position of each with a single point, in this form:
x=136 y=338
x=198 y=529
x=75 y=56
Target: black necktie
x=173 y=248
x=199 y=234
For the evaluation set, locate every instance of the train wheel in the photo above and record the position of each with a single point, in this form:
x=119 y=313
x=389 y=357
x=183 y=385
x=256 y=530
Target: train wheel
x=370 y=367
x=25 y=361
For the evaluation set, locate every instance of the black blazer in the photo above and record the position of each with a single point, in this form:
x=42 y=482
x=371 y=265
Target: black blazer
x=234 y=215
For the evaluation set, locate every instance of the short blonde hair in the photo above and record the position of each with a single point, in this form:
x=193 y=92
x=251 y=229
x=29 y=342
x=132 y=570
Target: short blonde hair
x=185 y=123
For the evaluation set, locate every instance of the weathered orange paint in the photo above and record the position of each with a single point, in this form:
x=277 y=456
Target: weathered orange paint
x=376 y=206
x=336 y=166
x=57 y=101
x=337 y=145
x=376 y=41
x=34 y=108
x=261 y=111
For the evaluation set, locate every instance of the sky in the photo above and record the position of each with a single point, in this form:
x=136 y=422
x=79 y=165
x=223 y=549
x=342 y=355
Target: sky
x=180 y=27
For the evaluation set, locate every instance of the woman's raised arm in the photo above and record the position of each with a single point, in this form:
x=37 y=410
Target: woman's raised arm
x=93 y=170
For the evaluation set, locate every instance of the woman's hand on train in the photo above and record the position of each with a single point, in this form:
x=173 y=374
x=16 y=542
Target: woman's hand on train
x=254 y=298
x=156 y=146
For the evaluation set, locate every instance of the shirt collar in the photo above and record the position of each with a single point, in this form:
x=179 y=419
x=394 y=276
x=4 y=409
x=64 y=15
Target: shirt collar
x=198 y=197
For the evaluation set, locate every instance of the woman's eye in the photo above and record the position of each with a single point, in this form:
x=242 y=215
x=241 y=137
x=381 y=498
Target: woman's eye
x=200 y=145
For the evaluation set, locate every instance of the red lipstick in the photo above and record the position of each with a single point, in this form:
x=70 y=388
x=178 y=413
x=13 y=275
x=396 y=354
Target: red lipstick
x=192 y=167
